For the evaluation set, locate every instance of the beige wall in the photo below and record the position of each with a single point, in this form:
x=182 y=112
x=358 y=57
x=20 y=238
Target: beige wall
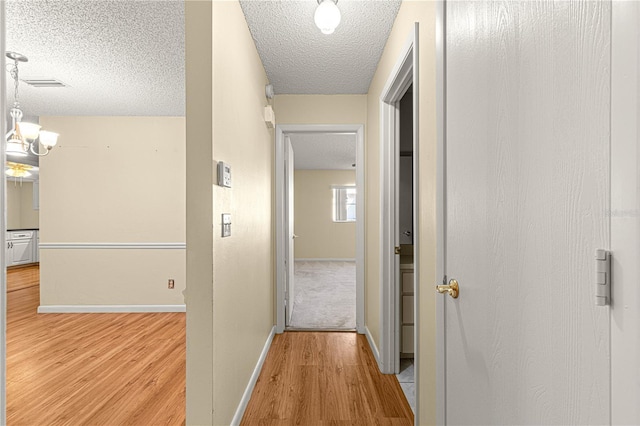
x=14 y=206
x=199 y=297
x=242 y=265
x=320 y=109
x=113 y=180
x=424 y=13
x=29 y=217
x=20 y=211
x=319 y=237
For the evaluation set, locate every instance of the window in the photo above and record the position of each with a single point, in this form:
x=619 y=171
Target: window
x=344 y=203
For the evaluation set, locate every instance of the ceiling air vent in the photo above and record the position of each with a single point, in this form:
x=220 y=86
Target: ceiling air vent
x=44 y=82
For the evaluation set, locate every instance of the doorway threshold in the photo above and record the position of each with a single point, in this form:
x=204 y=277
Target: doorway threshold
x=324 y=330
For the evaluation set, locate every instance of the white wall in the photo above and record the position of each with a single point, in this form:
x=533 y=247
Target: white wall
x=318 y=235
x=113 y=180
x=239 y=276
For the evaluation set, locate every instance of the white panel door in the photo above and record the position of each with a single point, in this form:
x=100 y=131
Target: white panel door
x=527 y=189
x=289 y=244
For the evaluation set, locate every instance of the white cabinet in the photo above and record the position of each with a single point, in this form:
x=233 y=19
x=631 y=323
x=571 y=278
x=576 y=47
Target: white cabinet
x=22 y=252
x=36 y=247
x=20 y=248
x=8 y=253
x=407 y=310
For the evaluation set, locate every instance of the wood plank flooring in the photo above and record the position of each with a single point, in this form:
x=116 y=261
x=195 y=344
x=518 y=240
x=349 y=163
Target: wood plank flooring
x=22 y=277
x=92 y=369
x=315 y=378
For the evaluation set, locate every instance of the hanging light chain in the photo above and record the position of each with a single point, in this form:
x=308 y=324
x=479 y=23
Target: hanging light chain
x=14 y=75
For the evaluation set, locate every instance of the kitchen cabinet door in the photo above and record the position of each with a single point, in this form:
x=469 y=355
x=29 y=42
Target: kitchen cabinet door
x=22 y=252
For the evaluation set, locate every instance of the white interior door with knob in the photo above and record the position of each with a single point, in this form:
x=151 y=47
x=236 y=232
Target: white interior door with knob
x=289 y=216
x=527 y=191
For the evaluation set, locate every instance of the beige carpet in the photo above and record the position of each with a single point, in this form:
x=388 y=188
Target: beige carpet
x=325 y=295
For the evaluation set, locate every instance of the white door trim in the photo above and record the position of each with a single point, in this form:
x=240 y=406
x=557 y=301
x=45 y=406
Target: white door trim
x=3 y=231
x=625 y=216
x=404 y=74
x=441 y=129
x=281 y=130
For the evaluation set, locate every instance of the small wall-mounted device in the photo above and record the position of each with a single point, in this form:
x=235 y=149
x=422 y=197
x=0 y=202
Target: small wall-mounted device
x=226 y=225
x=269 y=117
x=268 y=91
x=224 y=174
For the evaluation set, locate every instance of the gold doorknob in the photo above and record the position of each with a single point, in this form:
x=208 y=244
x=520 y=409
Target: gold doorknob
x=451 y=289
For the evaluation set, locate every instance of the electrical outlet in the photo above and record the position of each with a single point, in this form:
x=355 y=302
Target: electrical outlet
x=171 y=283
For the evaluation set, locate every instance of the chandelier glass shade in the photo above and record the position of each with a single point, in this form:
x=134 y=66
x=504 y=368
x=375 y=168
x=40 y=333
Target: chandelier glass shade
x=17 y=170
x=25 y=137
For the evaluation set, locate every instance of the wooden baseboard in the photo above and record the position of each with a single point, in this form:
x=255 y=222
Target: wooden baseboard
x=246 y=396
x=87 y=309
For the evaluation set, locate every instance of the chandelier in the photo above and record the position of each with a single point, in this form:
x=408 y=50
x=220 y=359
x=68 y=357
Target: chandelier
x=23 y=136
x=18 y=170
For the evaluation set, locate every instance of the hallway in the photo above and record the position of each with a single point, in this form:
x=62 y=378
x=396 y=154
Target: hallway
x=325 y=378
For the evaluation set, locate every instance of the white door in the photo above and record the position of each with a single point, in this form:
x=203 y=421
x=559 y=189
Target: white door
x=289 y=244
x=527 y=189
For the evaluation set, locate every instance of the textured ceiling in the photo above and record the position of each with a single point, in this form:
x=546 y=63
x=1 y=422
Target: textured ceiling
x=299 y=59
x=323 y=151
x=126 y=57
x=118 y=57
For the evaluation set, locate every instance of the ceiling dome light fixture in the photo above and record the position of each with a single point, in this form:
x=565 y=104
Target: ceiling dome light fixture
x=327 y=16
x=25 y=136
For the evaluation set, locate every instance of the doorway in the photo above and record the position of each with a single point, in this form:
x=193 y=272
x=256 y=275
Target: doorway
x=400 y=210
x=3 y=229
x=322 y=294
x=315 y=263
x=406 y=286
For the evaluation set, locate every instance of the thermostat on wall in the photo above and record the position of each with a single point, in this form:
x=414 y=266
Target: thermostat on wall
x=224 y=174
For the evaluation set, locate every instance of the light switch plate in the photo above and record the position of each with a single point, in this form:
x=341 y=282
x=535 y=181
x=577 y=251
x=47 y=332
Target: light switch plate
x=226 y=225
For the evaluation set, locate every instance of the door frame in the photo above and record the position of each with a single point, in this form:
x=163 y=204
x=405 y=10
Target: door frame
x=3 y=230
x=441 y=208
x=624 y=216
x=281 y=131
x=404 y=73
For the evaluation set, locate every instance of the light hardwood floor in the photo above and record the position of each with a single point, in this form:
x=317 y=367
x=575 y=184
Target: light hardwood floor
x=22 y=277
x=91 y=369
x=314 y=378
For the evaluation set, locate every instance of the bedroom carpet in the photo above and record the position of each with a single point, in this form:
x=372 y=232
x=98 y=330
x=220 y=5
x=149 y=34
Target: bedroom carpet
x=325 y=295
